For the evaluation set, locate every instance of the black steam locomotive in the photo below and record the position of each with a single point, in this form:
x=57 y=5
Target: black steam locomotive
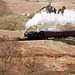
x=49 y=34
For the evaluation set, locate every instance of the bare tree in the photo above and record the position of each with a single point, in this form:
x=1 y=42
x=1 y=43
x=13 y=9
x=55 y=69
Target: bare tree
x=9 y=51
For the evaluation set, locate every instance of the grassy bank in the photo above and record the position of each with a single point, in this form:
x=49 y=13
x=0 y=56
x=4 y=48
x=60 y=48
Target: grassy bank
x=10 y=21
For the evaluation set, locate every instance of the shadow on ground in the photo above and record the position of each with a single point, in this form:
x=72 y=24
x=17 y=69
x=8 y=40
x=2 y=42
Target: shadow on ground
x=70 y=42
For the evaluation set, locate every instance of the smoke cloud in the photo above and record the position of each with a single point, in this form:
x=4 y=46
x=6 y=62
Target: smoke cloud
x=52 y=19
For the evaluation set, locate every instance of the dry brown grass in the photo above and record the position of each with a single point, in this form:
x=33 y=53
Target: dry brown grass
x=9 y=21
x=22 y=7
x=68 y=26
x=21 y=57
x=9 y=50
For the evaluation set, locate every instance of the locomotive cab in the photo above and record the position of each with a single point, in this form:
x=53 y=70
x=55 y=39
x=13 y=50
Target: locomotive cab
x=26 y=34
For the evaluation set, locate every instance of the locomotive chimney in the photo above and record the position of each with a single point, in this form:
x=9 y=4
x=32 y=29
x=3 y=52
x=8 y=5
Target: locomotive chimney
x=25 y=34
x=25 y=30
x=37 y=29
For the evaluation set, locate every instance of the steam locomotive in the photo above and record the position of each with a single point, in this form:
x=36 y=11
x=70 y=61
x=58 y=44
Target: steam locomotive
x=48 y=34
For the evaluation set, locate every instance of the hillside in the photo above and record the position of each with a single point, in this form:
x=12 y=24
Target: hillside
x=11 y=21
x=3 y=6
x=25 y=6
x=32 y=57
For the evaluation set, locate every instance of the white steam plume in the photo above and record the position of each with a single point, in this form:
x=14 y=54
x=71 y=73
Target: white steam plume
x=52 y=19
